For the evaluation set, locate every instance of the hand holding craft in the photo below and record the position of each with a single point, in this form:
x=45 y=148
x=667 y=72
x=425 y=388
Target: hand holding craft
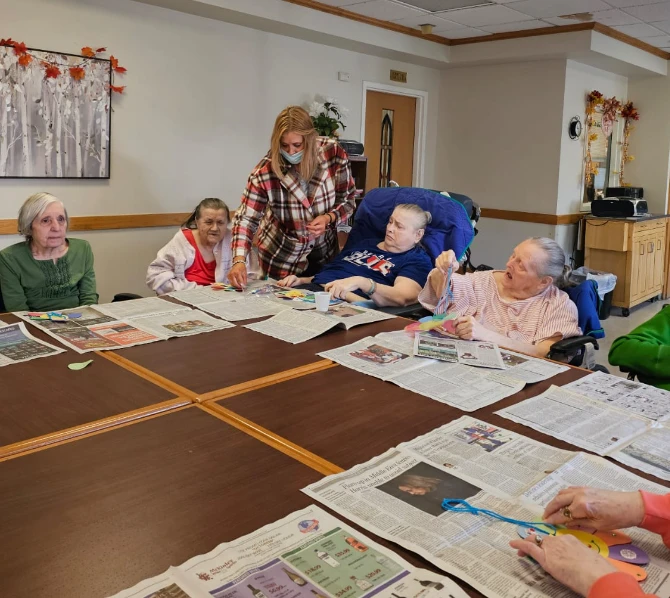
x=238 y=275
x=446 y=260
x=469 y=329
x=289 y=281
x=592 y=507
x=318 y=226
x=566 y=559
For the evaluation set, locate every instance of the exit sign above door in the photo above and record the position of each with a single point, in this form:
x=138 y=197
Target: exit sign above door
x=398 y=76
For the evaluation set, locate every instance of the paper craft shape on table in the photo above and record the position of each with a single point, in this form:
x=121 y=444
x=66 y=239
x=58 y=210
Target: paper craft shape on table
x=80 y=365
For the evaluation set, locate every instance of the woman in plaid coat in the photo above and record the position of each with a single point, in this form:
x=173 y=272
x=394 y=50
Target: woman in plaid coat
x=293 y=201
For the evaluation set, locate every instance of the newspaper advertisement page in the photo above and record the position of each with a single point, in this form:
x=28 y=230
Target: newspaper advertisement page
x=399 y=497
x=308 y=554
x=458 y=385
x=490 y=457
x=474 y=353
x=379 y=358
x=138 y=308
x=588 y=470
x=529 y=369
x=576 y=419
x=18 y=345
x=629 y=395
x=649 y=452
x=299 y=326
x=244 y=309
x=181 y=323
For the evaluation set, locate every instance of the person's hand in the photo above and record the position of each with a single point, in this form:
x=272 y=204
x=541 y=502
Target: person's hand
x=591 y=507
x=469 y=329
x=237 y=275
x=567 y=560
x=446 y=260
x=318 y=226
x=290 y=281
x=339 y=289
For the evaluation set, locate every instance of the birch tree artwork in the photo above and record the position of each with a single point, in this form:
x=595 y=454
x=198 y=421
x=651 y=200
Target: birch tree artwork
x=55 y=112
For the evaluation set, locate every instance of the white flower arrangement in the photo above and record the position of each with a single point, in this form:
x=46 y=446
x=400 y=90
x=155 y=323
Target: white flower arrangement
x=327 y=116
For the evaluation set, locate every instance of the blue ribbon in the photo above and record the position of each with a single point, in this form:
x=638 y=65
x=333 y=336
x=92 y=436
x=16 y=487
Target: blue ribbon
x=447 y=296
x=456 y=505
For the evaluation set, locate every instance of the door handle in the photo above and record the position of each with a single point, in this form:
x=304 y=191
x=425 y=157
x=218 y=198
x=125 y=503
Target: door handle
x=658 y=244
x=651 y=248
x=641 y=248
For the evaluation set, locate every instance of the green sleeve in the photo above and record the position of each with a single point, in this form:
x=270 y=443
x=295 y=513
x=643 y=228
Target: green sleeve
x=87 y=291
x=10 y=284
x=646 y=350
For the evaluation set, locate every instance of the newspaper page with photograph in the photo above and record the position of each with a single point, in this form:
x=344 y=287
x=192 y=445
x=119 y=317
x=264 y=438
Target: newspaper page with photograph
x=299 y=326
x=308 y=554
x=530 y=369
x=474 y=353
x=607 y=428
x=183 y=323
x=399 y=497
x=18 y=345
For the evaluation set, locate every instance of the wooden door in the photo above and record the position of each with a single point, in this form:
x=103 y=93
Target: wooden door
x=638 y=286
x=649 y=264
x=389 y=139
x=659 y=259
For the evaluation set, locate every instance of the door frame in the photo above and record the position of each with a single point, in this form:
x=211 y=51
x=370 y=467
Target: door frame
x=420 y=122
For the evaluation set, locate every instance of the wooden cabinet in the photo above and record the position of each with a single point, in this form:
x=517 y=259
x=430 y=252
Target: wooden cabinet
x=634 y=250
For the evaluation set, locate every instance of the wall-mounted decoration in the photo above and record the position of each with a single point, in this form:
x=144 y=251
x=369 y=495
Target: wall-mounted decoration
x=55 y=112
x=575 y=127
x=629 y=113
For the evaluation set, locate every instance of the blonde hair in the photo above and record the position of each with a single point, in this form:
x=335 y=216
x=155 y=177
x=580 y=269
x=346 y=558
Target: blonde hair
x=294 y=119
x=33 y=208
x=424 y=217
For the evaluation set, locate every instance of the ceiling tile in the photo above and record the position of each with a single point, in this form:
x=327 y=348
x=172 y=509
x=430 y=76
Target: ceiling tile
x=660 y=41
x=485 y=15
x=522 y=26
x=556 y=8
x=650 y=12
x=614 y=18
x=441 y=5
x=625 y=3
x=422 y=19
x=663 y=25
x=639 y=30
x=464 y=32
x=384 y=9
x=340 y=2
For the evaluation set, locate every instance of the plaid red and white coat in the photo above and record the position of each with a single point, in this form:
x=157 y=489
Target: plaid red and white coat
x=277 y=212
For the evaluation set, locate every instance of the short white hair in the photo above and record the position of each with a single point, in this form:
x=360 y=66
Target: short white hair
x=33 y=208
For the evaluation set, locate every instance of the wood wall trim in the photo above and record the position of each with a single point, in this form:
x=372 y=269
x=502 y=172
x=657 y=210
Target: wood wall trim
x=533 y=217
x=271 y=439
x=33 y=445
x=113 y=222
x=590 y=26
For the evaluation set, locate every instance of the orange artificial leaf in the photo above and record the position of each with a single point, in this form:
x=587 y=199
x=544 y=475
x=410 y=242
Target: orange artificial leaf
x=7 y=42
x=101 y=50
x=115 y=65
x=25 y=60
x=20 y=48
x=77 y=73
x=117 y=88
x=120 y=69
x=50 y=71
x=88 y=52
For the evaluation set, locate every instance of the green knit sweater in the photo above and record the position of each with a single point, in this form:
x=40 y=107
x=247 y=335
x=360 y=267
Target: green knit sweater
x=42 y=285
x=646 y=350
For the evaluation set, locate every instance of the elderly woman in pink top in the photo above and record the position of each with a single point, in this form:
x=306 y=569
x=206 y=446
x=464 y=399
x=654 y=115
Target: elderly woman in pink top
x=575 y=564
x=520 y=307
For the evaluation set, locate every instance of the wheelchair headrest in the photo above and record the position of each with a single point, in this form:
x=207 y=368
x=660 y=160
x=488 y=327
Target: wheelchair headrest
x=450 y=227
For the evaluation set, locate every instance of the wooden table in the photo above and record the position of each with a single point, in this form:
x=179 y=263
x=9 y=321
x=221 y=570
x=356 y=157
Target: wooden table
x=207 y=362
x=365 y=416
x=95 y=516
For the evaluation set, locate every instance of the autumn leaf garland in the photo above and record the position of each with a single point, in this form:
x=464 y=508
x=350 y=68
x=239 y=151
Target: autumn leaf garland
x=52 y=70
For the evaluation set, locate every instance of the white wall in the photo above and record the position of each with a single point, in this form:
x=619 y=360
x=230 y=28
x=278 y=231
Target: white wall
x=580 y=79
x=200 y=102
x=650 y=140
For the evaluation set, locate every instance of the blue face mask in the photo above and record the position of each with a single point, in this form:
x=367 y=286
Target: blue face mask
x=292 y=158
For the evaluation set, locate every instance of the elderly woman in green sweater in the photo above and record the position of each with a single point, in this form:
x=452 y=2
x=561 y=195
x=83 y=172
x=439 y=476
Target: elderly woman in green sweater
x=47 y=271
x=646 y=350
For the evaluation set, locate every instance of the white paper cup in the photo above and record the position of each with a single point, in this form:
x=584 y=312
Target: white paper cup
x=322 y=301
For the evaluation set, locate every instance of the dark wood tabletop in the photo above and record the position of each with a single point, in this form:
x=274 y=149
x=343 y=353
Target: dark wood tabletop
x=92 y=517
x=43 y=396
x=208 y=362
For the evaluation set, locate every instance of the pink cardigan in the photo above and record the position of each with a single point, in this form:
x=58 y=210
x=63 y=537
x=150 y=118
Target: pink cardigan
x=656 y=519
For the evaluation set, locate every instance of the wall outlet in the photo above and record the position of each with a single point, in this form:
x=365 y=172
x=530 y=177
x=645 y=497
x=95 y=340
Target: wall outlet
x=342 y=76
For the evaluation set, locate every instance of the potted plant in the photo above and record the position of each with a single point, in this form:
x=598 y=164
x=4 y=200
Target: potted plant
x=327 y=117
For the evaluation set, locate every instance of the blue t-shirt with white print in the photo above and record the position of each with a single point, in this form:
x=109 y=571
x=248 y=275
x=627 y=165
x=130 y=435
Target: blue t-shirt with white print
x=368 y=260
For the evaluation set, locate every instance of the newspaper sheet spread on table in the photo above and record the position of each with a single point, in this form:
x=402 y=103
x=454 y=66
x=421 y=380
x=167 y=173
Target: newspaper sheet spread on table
x=399 y=494
x=125 y=324
x=623 y=419
x=299 y=326
x=18 y=345
x=475 y=353
x=259 y=299
x=308 y=554
x=390 y=357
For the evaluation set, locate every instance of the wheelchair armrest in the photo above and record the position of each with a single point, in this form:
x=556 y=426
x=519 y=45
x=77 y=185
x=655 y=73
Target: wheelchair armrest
x=569 y=345
x=125 y=297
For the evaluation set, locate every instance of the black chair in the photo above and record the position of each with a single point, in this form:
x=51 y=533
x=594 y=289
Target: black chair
x=125 y=297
